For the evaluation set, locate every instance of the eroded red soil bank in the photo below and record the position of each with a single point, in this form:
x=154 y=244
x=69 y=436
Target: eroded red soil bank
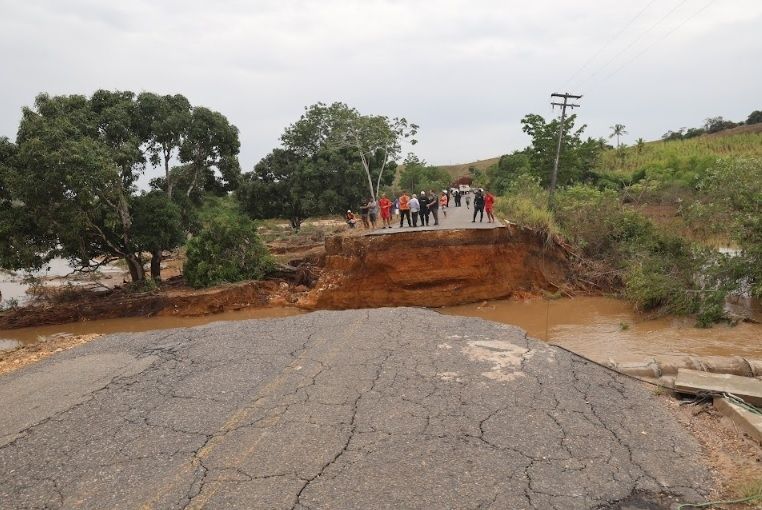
x=435 y=268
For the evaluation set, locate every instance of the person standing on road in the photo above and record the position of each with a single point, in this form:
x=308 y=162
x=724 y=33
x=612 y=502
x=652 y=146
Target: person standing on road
x=433 y=202
x=457 y=198
x=468 y=199
x=489 y=203
x=364 y=213
x=372 y=211
x=444 y=199
x=424 y=212
x=404 y=206
x=478 y=206
x=415 y=207
x=385 y=205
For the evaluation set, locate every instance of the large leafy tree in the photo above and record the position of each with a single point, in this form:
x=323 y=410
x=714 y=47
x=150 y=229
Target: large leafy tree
x=71 y=179
x=328 y=158
x=375 y=140
x=165 y=121
x=210 y=150
x=577 y=155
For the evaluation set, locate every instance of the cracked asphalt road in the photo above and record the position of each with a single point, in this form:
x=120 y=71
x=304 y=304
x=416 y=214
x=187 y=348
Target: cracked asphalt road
x=386 y=408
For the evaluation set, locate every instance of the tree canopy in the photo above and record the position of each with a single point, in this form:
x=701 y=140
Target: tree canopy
x=70 y=179
x=332 y=159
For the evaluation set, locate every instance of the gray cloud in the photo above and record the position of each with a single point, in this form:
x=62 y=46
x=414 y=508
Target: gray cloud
x=466 y=71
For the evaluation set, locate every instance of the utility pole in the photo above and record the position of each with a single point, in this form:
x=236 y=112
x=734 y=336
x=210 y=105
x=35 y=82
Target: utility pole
x=566 y=104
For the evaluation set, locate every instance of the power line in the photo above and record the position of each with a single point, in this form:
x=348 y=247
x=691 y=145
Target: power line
x=662 y=38
x=608 y=43
x=634 y=41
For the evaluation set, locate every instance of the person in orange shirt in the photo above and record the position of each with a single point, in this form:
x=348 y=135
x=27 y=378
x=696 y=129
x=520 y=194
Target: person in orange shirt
x=386 y=211
x=489 y=203
x=405 y=209
x=443 y=203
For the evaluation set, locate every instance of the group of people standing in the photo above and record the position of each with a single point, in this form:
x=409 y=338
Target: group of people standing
x=420 y=210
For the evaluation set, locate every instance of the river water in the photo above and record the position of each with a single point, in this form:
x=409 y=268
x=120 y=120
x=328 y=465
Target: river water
x=600 y=328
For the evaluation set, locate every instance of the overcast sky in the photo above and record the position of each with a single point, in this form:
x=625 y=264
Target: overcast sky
x=466 y=71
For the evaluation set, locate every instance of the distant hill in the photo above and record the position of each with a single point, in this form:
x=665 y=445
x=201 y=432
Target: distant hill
x=456 y=171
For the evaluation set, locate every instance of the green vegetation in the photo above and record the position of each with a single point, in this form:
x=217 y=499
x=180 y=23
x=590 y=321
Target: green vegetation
x=68 y=186
x=332 y=159
x=712 y=183
x=226 y=250
x=417 y=176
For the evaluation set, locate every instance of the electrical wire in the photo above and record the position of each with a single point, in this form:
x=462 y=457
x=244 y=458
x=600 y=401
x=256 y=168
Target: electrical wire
x=649 y=47
x=633 y=43
x=608 y=43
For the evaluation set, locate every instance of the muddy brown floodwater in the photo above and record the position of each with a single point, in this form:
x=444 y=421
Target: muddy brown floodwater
x=599 y=328
x=31 y=335
x=603 y=328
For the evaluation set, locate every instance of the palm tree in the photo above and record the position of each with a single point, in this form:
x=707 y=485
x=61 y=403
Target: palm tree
x=640 y=144
x=617 y=130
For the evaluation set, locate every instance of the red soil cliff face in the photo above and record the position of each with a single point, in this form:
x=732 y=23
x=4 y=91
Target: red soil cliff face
x=435 y=268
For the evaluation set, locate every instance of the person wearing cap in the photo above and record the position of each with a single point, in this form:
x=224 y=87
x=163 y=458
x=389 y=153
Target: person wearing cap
x=478 y=206
x=350 y=218
x=424 y=212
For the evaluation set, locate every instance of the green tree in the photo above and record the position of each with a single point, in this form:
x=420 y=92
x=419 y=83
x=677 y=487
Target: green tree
x=715 y=124
x=166 y=120
x=510 y=166
x=375 y=140
x=640 y=144
x=617 y=130
x=210 y=150
x=158 y=226
x=755 y=117
x=417 y=175
x=227 y=250
x=71 y=184
x=577 y=156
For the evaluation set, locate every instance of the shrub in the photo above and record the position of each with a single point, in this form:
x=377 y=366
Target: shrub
x=526 y=203
x=226 y=250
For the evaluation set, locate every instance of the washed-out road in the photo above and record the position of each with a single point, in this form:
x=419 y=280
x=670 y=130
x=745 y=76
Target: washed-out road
x=387 y=408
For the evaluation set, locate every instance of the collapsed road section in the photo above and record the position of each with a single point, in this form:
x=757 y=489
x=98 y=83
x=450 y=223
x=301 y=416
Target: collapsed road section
x=392 y=408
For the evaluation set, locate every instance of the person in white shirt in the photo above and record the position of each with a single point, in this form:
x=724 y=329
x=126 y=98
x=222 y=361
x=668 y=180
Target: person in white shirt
x=415 y=207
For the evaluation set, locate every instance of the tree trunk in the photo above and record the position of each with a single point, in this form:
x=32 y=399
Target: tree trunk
x=136 y=268
x=167 y=155
x=156 y=265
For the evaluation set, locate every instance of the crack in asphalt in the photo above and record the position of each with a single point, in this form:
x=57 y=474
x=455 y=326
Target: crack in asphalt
x=566 y=434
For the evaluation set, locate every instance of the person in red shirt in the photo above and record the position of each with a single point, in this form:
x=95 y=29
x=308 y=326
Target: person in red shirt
x=386 y=211
x=489 y=203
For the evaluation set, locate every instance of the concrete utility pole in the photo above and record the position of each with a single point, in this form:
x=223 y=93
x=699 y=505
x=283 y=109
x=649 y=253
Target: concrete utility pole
x=563 y=106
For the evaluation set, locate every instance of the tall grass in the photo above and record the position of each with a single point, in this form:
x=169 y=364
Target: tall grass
x=665 y=154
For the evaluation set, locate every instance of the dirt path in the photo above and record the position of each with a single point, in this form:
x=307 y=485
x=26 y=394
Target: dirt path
x=396 y=407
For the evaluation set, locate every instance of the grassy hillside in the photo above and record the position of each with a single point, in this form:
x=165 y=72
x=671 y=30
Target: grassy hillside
x=456 y=171
x=742 y=141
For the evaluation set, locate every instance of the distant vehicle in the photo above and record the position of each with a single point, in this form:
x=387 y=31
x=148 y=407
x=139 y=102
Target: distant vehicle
x=465 y=188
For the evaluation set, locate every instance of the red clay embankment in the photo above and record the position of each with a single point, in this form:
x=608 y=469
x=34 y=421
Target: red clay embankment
x=435 y=268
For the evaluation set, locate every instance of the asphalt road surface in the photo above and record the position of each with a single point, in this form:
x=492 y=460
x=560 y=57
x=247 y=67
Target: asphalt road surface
x=387 y=408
